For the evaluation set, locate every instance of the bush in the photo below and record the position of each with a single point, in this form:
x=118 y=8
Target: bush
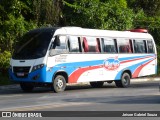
x=4 y=61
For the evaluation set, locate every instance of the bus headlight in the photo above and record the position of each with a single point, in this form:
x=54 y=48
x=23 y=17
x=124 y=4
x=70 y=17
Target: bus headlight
x=37 y=67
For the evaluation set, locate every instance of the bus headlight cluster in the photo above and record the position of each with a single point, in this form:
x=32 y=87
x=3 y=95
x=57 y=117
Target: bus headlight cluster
x=37 y=67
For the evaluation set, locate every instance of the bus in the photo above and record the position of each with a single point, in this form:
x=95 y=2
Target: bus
x=56 y=57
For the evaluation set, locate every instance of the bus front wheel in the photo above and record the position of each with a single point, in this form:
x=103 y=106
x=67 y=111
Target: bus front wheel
x=97 y=84
x=59 y=83
x=124 y=82
x=27 y=87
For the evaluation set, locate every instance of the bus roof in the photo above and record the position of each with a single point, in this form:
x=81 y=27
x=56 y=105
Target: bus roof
x=78 y=31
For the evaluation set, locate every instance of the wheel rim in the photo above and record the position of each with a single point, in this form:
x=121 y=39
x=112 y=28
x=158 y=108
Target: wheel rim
x=125 y=80
x=59 y=83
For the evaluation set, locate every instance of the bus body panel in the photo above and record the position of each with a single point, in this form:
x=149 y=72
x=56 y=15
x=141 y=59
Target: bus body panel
x=89 y=69
x=93 y=69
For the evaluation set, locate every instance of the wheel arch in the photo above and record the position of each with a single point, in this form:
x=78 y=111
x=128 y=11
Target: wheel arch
x=63 y=73
x=127 y=71
x=124 y=82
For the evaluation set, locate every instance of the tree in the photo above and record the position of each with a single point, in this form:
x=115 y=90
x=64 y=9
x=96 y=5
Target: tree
x=47 y=11
x=12 y=23
x=150 y=7
x=108 y=14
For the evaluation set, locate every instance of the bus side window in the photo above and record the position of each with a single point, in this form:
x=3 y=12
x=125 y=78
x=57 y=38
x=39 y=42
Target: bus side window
x=91 y=44
x=62 y=44
x=145 y=45
x=80 y=45
x=85 y=45
x=73 y=44
x=150 y=46
x=124 y=45
x=140 y=46
x=98 y=46
x=108 y=45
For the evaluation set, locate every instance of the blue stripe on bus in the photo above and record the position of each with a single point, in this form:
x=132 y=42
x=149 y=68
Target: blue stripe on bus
x=94 y=62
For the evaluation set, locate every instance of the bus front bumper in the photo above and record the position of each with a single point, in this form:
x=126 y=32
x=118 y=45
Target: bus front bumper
x=38 y=76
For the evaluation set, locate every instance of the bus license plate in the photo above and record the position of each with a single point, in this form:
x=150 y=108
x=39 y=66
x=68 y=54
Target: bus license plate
x=20 y=74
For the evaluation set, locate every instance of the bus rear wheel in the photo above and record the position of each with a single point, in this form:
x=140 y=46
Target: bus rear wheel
x=97 y=84
x=124 y=82
x=59 y=84
x=27 y=87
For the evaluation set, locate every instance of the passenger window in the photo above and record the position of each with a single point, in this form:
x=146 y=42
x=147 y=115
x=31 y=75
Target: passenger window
x=124 y=46
x=73 y=44
x=91 y=44
x=62 y=43
x=140 y=46
x=150 y=46
x=108 y=45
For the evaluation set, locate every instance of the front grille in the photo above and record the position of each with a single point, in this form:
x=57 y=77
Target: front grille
x=21 y=72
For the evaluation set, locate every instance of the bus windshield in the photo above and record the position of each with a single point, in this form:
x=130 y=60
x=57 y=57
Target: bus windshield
x=33 y=45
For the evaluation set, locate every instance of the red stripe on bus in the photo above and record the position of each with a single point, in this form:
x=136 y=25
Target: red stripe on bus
x=137 y=71
x=76 y=74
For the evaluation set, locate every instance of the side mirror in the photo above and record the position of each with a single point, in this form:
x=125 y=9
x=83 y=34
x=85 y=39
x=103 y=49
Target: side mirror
x=57 y=41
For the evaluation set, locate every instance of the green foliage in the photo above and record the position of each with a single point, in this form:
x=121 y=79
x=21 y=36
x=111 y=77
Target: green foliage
x=150 y=7
x=13 y=28
x=4 y=60
x=119 y=16
x=110 y=14
x=47 y=11
x=13 y=24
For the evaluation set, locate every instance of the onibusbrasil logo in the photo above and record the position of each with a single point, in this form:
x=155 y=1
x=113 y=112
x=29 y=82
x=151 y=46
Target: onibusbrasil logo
x=112 y=63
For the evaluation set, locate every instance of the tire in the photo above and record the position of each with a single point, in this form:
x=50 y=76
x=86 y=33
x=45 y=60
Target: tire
x=27 y=87
x=59 y=84
x=97 y=84
x=124 y=82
